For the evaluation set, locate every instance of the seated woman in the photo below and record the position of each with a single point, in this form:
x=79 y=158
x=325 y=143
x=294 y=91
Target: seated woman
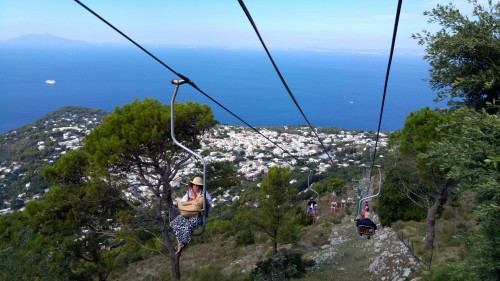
x=311 y=208
x=333 y=206
x=183 y=226
x=343 y=203
x=350 y=201
x=364 y=220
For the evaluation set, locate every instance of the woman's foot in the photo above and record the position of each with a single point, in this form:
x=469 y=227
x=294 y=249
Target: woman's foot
x=179 y=248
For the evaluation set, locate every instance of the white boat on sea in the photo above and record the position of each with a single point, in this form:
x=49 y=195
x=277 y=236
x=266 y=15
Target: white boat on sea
x=51 y=82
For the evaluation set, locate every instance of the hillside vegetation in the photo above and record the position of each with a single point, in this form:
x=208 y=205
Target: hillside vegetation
x=25 y=151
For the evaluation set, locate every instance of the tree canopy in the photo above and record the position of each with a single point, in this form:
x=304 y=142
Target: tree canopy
x=221 y=174
x=464 y=54
x=276 y=201
x=71 y=234
x=419 y=130
x=133 y=150
x=469 y=153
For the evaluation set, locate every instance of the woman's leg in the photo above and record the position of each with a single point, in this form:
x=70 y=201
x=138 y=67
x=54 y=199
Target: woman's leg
x=180 y=228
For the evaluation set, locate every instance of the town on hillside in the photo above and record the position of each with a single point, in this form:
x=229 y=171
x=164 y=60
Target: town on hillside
x=251 y=153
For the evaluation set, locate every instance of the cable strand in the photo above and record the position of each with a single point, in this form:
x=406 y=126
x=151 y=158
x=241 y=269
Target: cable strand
x=243 y=121
x=393 y=43
x=130 y=39
x=189 y=81
x=250 y=19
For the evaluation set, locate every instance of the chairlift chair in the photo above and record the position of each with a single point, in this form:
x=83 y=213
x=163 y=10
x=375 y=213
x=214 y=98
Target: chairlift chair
x=204 y=212
x=317 y=195
x=366 y=231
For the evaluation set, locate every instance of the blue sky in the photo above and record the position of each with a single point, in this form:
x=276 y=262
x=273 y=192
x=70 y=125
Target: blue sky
x=298 y=24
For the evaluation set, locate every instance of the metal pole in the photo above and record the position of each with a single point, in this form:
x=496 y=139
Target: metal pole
x=309 y=186
x=308 y=178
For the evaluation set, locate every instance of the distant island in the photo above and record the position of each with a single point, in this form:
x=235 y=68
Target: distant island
x=44 y=40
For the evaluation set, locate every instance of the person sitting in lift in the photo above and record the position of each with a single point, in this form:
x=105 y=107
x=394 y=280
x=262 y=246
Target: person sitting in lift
x=365 y=210
x=350 y=201
x=364 y=220
x=190 y=206
x=311 y=207
x=343 y=203
x=333 y=206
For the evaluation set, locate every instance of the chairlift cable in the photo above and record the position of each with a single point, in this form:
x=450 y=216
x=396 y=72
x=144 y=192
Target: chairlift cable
x=361 y=231
x=132 y=41
x=393 y=43
x=249 y=16
x=190 y=82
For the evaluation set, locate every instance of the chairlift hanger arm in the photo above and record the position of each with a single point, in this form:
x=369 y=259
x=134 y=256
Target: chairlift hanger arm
x=378 y=192
x=177 y=83
x=309 y=186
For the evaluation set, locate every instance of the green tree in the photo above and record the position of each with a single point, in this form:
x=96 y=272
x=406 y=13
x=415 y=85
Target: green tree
x=335 y=184
x=71 y=234
x=464 y=54
x=132 y=147
x=70 y=170
x=80 y=212
x=221 y=174
x=318 y=187
x=469 y=153
x=419 y=130
x=24 y=253
x=275 y=206
x=429 y=183
x=396 y=201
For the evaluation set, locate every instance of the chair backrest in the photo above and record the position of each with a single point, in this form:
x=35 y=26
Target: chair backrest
x=364 y=230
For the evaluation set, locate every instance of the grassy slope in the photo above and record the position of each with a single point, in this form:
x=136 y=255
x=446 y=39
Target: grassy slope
x=332 y=243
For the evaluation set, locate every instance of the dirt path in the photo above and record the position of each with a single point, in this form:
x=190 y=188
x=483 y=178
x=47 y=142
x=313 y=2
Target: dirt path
x=349 y=257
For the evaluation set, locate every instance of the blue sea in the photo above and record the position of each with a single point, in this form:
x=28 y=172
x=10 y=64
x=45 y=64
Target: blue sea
x=332 y=89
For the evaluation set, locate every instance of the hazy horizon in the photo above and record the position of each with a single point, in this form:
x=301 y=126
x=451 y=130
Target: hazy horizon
x=300 y=25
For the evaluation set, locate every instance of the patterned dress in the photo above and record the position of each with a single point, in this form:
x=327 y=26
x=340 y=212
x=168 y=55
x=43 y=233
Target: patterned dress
x=183 y=227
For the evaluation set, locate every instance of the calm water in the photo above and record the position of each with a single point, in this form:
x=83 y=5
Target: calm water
x=341 y=90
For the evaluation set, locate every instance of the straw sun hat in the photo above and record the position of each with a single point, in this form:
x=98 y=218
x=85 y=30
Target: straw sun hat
x=197 y=181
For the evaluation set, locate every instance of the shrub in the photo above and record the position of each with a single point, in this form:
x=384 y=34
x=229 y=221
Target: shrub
x=441 y=273
x=447 y=214
x=245 y=237
x=336 y=220
x=281 y=266
x=218 y=227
